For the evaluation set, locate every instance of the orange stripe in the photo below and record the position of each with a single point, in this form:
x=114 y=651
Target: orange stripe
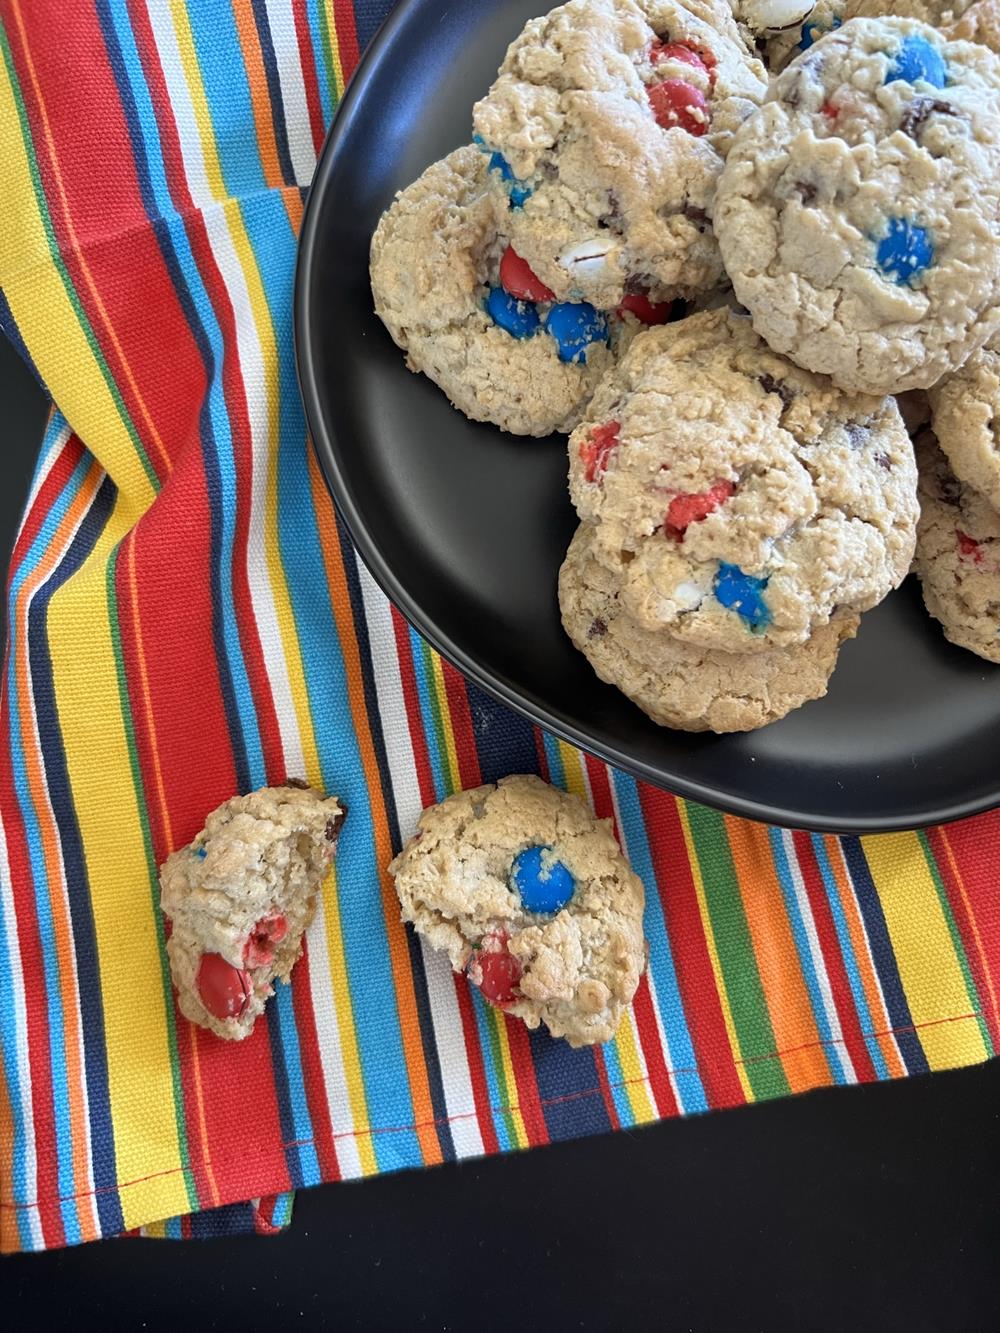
x=66 y=959
x=10 y=1240
x=413 y=1046
x=859 y=942
x=260 y=101
x=202 y=1123
x=154 y=434
x=796 y=1036
x=294 y=208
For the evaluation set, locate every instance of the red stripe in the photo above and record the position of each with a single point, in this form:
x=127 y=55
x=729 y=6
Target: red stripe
x=59 y=474
x=833 y=959
x=411 y=699
x=968 y=927
x=652 y=1049
x=469 y=771
x=606 y=1093
x=477 y=1072
x=528 y=1099
x=974 y=843
x=173 y=158
x=307 y=59
x=346 y=36
x=199 y=1148
x=46 y=1187
x=312 y=1071
x=695 y=977
x=543 y=758
x=103 y=209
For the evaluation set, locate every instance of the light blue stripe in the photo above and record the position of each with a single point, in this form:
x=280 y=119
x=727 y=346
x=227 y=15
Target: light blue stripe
x=227 y=89
x=386 y=1077
x=298 y=1105
x=43 y=909
x=850 y=959
x=662 y=975
x=427 y=715
x=616 y=1077
x=831 y=1048
x=326 y=93
x=173 y=1229
x=484 y=1017
x=553 y=755
x=153 y=156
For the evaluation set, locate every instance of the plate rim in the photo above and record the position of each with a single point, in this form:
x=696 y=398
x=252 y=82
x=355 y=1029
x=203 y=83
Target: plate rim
x=494 y=683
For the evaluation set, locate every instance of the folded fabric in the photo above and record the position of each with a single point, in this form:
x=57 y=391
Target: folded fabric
x=187 y=619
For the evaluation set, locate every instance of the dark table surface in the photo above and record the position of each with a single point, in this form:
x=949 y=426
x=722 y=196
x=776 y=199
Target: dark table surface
x=871 y=1208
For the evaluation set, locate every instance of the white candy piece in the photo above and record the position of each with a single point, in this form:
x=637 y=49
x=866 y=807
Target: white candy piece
x=588 y=259
x=773 y=15
x=688 y=595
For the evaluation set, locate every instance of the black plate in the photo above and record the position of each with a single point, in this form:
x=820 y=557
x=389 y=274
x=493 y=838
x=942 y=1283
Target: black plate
x=465 y=527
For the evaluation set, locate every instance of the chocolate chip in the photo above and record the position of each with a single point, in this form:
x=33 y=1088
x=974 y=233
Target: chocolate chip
x=770 y=385
x=333 y=825
x=696 y=215
x=548 y=169
x=949 y=489
x=598 y=629
x=884 y=461
x=807 y=192
x=613 y=217
x=857 y=435
x=297 y=782
x=626 y=557
x=913 y=118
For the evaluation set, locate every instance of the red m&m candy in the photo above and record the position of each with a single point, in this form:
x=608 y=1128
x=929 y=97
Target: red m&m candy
x=676 y=103
x=517 y=279
x=645 y=310
x=225 y=990
x=659 y=52
x=596 y=450
x=687 y=509
x=495 y=971
x=269 y=931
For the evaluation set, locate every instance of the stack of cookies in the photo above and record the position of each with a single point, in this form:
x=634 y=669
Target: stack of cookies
x=722 y=245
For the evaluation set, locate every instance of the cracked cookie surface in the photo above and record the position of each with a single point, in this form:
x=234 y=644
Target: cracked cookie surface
x=965 y=411
x=240 y=897
x=958 y=555
x=677 y=684
x=608 y=126
x=740 y=500
x=530 y=895
x=436 y=261
x=857 y=210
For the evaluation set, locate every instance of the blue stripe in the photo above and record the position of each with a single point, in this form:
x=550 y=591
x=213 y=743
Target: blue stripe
x=566 y=1081
x=846 y=946
x=214 y=425
x=326 y=91
x=505 y=741
x=662 y=974
x=369 y=16
x=274 y=91
x=831 y=1048
x=553 y=754
x=358 y=880
x=427 y=715
x=885 y=960
x=293 y=1108
x=486 y=1020
x=227 y=90
x=616 y=1078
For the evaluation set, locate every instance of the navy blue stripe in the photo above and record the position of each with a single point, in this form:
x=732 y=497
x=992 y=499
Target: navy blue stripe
x=293 y=1155
x=232 y=1219
x=505 y=741
x=274 y=90
x=421 y=996
x=885 y=959
x=206 y=430
x=369 y=15
x=95 y=1056
x=13 y=335
x=569 y=1088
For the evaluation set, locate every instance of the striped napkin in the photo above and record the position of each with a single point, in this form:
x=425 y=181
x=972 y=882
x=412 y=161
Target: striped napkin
x=187 y=619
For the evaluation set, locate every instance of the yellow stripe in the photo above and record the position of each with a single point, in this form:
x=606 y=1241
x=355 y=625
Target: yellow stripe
x=202 y=115
x=930 y=972
x=513 y=1095
x=49 y=324
x=451 y=753
x=636 y=1087
x=573 y=771
x=140 y=1082
x=706 y=925
x=338 y=68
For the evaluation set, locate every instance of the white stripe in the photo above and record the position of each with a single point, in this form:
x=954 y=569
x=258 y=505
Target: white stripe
x=449 y=1037
x=45 y=465
x=180 y=101
x=293 y=89
x=252 y=369
x=840 y=1051
x=328 y=1039
x=20 y=1089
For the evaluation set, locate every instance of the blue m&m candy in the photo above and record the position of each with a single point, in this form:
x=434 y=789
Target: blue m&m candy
x=917 y=59
x=742 y=593
x=812 y=32
x=518 y=318
x=576 y=325
x=545 y=885
x=517 y=189
x=904 y=251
